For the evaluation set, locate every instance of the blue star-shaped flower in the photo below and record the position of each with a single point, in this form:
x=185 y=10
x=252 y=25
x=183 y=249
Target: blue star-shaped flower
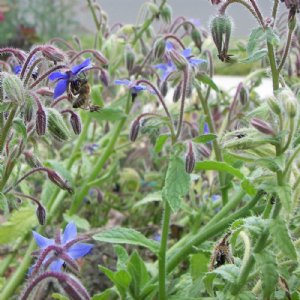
x=63 y=78
x=166 y=69
x=135 y=88
x=74 y=249
x=17 y=69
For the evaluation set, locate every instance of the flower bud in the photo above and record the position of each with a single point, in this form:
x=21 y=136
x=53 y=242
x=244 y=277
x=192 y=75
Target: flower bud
x=204 y=150
x=289 y=101
x=274 y=105
x=221 y=30
x=159 y=48
x=190 y=159
x=179 y=60
x=196 y=38
x=166 y=13
x=53 y=53
x=41 y=214
x=153 y=8
x=262 y=126
x=32 y=160
x=56 y=125
x=75 y=123
x=104 y=77
x=244 y=95
x=59 y=181
x=177 y=93
x=99 y=56
x=134 y=130
x=129 y=58
x=164 y=88
x=13 y=88
x=40 y=121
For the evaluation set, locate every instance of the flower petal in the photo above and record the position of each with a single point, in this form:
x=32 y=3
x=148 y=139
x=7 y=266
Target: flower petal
x=70 y=233
x=169 y=45
x=187 y=52
x=79 y=68
x=196 y=61
x=17 y=69
x=122 y=81
x=79 y=250
x=161 y=66
x=56 y=265
x=58 y=75
x=41 y=241
x=60 y=88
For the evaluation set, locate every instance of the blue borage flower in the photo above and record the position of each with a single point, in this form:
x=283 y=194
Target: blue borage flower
x=135 y=88
x=64 y=78
x=67 y=240
x=17 y=69
x=170 y=67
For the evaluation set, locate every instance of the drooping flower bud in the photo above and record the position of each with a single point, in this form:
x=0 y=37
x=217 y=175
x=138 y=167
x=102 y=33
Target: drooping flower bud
x=56 y=125
x=274 y=105
x=221 y=31
x=164 y=88
x=41 y=214
x=204 y=150
x=166 y=13
x=190 y=159
x=32 y=160
x=129 y=58
x=153 y=8
x=12 y=87
x=40 y=120
x=179 y=60
x=59 y=181
x=99 y=56
x=177 y=93
x=134 y=130
x=289 y=101
x=53 y=53
x=262 y=126
x=104 y=77
x=75 y=123
x=28 y=108
x=197 y=39
x=159 y=48
x=244 y=95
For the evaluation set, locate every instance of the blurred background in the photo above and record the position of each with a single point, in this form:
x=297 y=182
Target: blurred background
x=23 y=22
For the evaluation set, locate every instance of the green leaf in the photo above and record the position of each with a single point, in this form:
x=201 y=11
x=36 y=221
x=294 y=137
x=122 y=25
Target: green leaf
x=20 y=128
x=121 y=279
x=284 y=193
x=228 y=272
x=122 y=257
x=224 y=167
x=122 y=235
x=199 y=264
x=96 y=95
x=4 y=107
x=153 y=197
x=272 y=37
x=207 y=80
x=256 y=37
x=205 y=138
x=108 y=114
x=4 y=204
x=255 y=225
x=259 y=54
x=106 y=295
x=176 y=183
x=160 y=141
x=266 y=263
x=282 y=238
x=79 y=222
x=20 y=222
x=59 y=296
x=139 y=274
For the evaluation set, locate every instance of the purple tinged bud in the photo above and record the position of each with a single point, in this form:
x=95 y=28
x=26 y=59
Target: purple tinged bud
x=104 y=77
x=75 y=123
x=159 y=48
x=41 y=121
x=53 y=53
x=32 y=160
x=164 y=88
x=134 y=130
x=28 y=108
x=244 y=94
x=99 y=56
x=59 y=181
x=190 y=160
x=41 y=214
x=177 y=93
x=129 y=58
x=262 y=126
x=179 y=60
x=204 y=150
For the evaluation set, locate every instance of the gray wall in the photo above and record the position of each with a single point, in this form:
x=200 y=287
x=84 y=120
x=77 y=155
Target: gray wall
x=126 y=11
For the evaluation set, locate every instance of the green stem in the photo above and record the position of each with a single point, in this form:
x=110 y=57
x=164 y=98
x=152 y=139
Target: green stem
x=275 y=9
x=273 y=65
x=7 y=127
x=291 y=133
x=216 y=146
x=162 y=252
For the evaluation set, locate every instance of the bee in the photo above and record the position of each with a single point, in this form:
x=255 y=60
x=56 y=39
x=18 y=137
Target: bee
x=80 y=87
x=221 y=254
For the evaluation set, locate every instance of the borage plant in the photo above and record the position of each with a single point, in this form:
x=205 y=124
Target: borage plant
x=221 y=167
